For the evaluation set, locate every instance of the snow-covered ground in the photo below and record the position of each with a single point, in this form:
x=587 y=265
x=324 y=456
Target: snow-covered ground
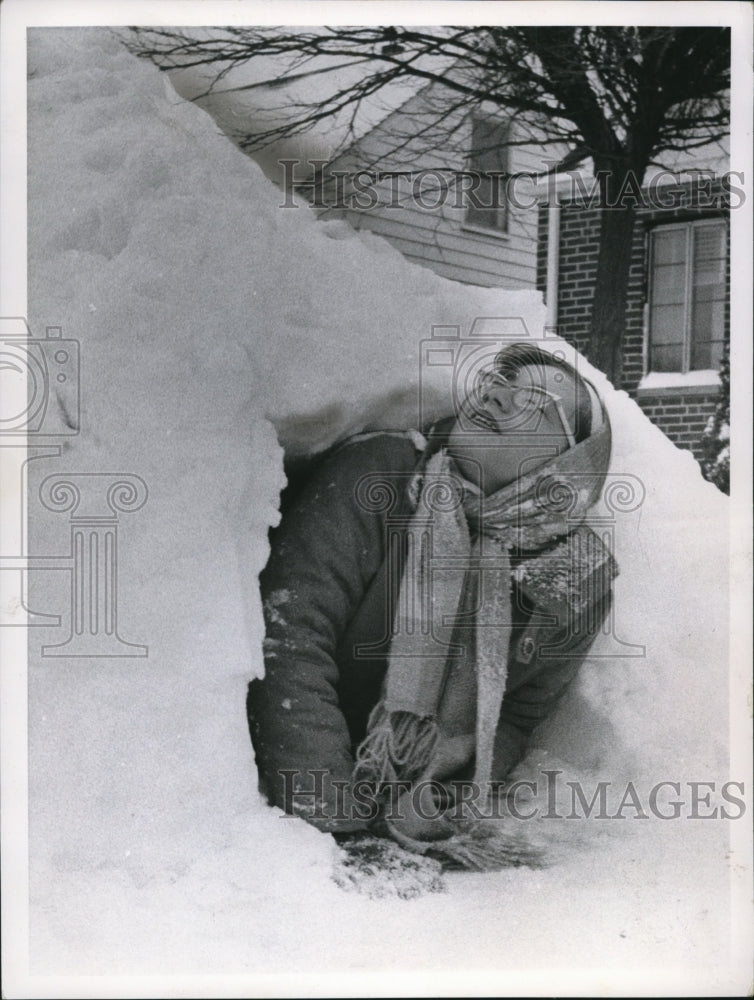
x=217 y=329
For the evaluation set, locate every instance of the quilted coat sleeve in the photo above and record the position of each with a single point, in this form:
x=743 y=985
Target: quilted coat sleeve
x=536 y=687
x=324 y=555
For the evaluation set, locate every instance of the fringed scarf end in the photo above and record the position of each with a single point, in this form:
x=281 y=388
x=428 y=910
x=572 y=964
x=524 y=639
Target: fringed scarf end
x=398 y=746
x=486 y=852
x=476 y=849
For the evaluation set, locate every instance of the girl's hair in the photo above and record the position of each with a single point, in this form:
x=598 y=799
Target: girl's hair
x=512 y=358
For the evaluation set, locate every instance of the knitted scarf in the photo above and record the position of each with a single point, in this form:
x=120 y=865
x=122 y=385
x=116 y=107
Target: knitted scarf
x=447 y=666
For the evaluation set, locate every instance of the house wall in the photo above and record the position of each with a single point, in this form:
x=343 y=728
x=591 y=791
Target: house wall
x=439 y=238
x=682 y=416
x=681 y=412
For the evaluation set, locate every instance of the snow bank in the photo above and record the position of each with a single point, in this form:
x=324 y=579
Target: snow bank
x=217 y=329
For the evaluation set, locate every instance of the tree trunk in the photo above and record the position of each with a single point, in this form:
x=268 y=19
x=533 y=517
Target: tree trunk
x=608 y=320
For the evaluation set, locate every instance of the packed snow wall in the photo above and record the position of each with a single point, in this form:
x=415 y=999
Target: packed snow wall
x=217 y=329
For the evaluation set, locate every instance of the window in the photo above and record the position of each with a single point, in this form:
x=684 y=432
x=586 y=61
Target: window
x=486 y=204
x=687 y=296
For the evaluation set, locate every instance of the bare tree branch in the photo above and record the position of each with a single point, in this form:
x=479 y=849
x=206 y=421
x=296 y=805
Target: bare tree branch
x=623 y=95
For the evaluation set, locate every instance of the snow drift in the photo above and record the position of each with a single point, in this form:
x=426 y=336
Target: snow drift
x=216 y=330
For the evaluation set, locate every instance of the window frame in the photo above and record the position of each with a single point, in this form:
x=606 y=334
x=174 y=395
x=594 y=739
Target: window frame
x=689 y=227
x=502 y=213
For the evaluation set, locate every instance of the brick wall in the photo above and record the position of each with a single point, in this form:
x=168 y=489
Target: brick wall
x=681 y=415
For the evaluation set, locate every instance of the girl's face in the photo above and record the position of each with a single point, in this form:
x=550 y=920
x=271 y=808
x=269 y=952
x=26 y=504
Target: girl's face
x=511 y=426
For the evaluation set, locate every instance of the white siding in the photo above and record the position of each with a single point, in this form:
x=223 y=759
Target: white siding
x=439 y=238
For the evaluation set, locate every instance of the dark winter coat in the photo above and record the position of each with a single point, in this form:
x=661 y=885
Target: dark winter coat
x=329 y=593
